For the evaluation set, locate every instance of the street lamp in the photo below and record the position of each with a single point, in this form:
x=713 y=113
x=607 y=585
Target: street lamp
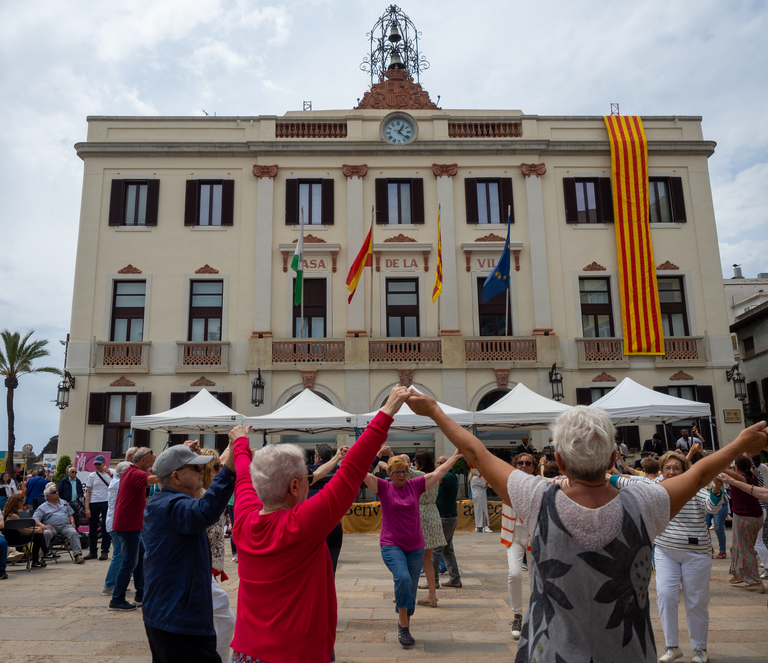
x=556 y=380
x=62 y=396
x=739 y=383
x=257 y=390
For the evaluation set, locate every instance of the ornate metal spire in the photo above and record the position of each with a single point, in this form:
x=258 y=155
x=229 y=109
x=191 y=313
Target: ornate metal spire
x=394 y=45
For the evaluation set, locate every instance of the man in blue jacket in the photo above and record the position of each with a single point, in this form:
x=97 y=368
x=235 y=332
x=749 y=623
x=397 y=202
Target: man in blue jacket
x=178 y=606
x=70 y=490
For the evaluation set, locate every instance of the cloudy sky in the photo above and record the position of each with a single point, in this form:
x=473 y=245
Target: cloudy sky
x=65 y=60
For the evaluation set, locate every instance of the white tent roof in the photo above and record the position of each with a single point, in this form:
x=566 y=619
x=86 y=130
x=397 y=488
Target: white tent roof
x=406 y=420
x=520 y=408
x=630 y=403
x=202 y=413
x=307 y=413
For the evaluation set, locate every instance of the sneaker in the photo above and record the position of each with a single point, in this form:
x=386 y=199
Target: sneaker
x=421 y=573
x=107 y=591
x=720 y=555
x=524 y=567
x=123 y=606
x=478 y=529
x=757 y=588
x=14 y=556
x=51 y=555
x=671 y=654
x=450 y=583
x=92 y=555
x=103 y=556
x=764 y=575
x=138 y=599
x=234 y=558
x=487 y=530
x=699 y=656
x=38 y=565
x=79 y=559
x=404 y=636
x=3 y=575
x=516 y=626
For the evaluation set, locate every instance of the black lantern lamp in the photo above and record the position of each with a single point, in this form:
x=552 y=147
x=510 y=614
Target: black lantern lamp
x=739 y=383
x=257 y=390
x=62 y=396
x=556 y=380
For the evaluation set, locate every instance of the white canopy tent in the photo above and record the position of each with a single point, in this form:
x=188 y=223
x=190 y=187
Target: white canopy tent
x=520 y=408
x=307 y=413
x=203 y=413
x=406 y=420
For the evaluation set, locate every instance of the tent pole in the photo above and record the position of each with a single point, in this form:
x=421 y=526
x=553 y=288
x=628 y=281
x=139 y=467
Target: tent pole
x=712 y=434
x=666 y=442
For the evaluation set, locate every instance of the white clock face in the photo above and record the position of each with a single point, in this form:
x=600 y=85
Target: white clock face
x=398 y=131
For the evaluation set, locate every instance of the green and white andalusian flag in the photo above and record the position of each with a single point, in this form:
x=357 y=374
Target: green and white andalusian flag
x=297 y=265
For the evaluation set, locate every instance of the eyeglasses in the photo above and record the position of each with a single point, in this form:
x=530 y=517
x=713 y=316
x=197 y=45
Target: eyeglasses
x=308 y=477
x=52 y=492
x=524 y=463
x=399 y=472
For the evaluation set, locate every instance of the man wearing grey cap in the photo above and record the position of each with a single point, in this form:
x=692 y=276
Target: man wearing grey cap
x=96 y=505
x=178 y=604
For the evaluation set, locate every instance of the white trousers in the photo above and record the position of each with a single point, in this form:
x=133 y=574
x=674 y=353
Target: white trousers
x=480 y=504
x=223 y=621
x=515 y=554
x=760 y=549
x=693 y=571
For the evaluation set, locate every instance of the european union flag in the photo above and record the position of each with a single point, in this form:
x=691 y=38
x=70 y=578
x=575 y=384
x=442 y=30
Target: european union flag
x=498 y=280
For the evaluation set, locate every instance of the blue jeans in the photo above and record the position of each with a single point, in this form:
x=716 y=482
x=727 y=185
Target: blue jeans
x=3 y=552
x=405 y=567
x=98 y=513
x=114 y=564
x=131 y=563
x=719 y=519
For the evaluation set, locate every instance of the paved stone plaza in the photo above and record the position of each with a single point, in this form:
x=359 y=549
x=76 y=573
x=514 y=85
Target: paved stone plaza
x=57 y=614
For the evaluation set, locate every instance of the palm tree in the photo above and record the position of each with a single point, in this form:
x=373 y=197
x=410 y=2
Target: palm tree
x=16 y=357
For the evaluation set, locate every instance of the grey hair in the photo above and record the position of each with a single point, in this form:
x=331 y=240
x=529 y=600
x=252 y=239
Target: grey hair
x=141 y=452
x=121 y=467
x=70 y=467
x=48 y=488
x=273 y=468
x=131 y=450
x=583 y=437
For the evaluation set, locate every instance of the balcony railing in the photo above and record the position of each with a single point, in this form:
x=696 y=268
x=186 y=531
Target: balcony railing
x=196 y=354
x=311 y=129
x=124 y=356
x=485 y=129
x=311 y=350
x=405 y=350
x=683 y=348
x=500 y=349
x=600 y=349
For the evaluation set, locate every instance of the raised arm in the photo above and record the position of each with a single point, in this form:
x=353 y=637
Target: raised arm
x=682 y=488
x=246 y=499
x=434 y=477
x=755 y=491
x=493 y=469
x=372 y=483
x=626 y=467
x=322 y=471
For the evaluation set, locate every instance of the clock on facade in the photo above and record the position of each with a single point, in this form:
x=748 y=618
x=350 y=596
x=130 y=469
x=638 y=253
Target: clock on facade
x=399 y=130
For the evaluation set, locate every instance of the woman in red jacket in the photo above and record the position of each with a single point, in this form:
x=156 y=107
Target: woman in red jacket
x=286 y=604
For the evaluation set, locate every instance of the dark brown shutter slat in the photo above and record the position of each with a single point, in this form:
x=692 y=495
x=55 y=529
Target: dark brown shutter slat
x=153 y=202
x=569 y=195
x=221 y=442
x=116 y=204
x=327 y=203
x=97 y=408
x=662 y=390
x=606 y=199
x=292 y=202
x=382 y=201
x=227 y=202
x=143 y=402
x=417 y=200
x=178 y=398
x=110 y=442
x=470 y=196
x=583 y=396
x=191 y=203
x=176 y=439
x=225 y=397
x=140 y=439
x=505 y=189
x=678 y=199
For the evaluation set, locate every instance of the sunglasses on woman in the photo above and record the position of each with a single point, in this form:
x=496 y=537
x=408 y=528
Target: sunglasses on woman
x=524 y=463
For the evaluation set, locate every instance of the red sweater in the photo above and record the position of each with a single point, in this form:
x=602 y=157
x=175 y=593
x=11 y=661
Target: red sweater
x=131 y=500
x=286 y=602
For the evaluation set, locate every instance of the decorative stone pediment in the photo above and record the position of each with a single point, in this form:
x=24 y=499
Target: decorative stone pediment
x=594 y=267
x=667 y=265
x=405 y=376
x=680 y=375
x=354 y=171
x=502 y=377
x=445 y=169
x=399 y=238
x=529 y=169
x=316 y=252
x=603 y=377
x=202 y=382
x=397 y=92
x=122 y=381
x=308 y=379
x=206 y=269
x=265 y=171
x=129 y=269
x=311 y=239
x=490 y=238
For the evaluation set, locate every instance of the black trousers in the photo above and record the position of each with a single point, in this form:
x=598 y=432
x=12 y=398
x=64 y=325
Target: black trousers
x=177 y=648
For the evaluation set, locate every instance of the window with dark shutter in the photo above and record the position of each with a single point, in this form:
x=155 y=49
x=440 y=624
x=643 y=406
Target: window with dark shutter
x=666 y=200
x=134 y=202
x=588 y=200
x=227 y=202
x=677 y=199
x=569 y=195
x=417 y=200
x=606 y=200
x=292 y=202
x=190 y=203
x=143 y=403
x=470 y=196
x=382 y=200
x=400 y=201
x=507 y=204
x=97 y=408
x=583 y=396
x=178 y=398
x=225 y=398
x=327 y=202
x=315 y=197
x=116 y=203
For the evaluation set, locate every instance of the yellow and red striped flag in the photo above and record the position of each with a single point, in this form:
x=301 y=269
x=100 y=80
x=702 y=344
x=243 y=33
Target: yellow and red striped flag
x=438 y=289
x=362 y=261
x=640 y=311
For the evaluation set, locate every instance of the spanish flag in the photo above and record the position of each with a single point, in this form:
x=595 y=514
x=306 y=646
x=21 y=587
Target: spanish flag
x=640 y=311
x=362 y=261
x=438 y=289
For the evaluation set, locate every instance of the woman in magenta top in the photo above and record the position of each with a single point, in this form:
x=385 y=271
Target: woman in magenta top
x=401 y=540
x=286 y=602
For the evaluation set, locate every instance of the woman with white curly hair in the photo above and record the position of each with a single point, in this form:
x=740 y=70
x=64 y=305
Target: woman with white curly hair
x=590 y=544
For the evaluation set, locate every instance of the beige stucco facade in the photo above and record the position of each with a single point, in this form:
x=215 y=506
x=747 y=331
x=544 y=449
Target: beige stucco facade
x=248 y=258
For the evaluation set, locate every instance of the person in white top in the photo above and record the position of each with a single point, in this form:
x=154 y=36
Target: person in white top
x=96 y=507
x=685 y=442
x=480 y=501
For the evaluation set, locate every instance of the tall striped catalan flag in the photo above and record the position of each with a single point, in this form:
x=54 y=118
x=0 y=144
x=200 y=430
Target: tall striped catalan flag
x=438 y=289
x=362 y=261
x=640 y=312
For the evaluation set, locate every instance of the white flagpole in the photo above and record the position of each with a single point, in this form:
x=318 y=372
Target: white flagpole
x=509 y=279
x=439 y=299
x=301 y=258
x=373 y=211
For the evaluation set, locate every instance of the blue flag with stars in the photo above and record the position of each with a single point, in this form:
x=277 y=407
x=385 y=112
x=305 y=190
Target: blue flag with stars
x=498 y=280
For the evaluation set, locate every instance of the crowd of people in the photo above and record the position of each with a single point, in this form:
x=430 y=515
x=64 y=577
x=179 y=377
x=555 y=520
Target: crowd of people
x=589 y=530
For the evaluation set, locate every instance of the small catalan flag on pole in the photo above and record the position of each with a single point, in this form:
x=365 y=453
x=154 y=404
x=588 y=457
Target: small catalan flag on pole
x=362 y=261
x=438 y=289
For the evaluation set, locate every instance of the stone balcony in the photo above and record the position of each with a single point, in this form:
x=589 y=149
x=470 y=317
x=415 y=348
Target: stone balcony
x=684 y=351
x=213 y=356
x=121 y=357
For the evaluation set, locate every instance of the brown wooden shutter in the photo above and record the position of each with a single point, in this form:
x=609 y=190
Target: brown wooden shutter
x=191 y=202
x=291 y=202
x=225 y=398
x=606 y=200
x=176 y=439
x=178 y=398
x=221 y=442
x=677 y=199
x=153 y=202
x=470 y=197
x=705 y=394
x=505 y=190
x=327 y=203
x=227 y=202
x=143 y=402
x=382 y=200
x=417 y=200
x=140 y=439
x=569 y=195
x=110 y=441
x=97 y=408
x=583 y=396
x=662 y=390
x=117 y=203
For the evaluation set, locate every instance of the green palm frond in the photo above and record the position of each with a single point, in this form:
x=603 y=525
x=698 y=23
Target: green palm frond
x=17 y=355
